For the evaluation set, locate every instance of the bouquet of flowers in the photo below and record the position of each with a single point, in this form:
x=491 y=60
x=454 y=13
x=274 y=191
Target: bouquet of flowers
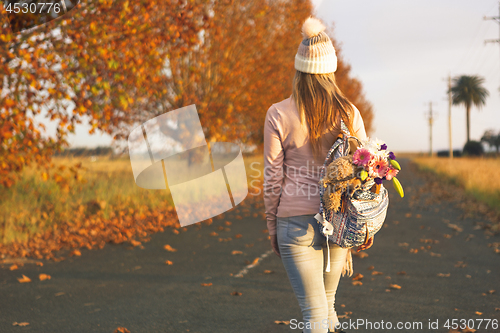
x=364 y=168
x=377 y=163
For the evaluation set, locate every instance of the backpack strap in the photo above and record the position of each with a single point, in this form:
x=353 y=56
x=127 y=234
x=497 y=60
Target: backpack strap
x=344 y=128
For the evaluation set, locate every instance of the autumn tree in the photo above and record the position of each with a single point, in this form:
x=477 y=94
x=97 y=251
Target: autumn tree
x=116 y=64
x=102 y=60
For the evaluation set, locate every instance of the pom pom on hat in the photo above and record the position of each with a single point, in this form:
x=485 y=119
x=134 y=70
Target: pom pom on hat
x=312 y=27
x=316 y=54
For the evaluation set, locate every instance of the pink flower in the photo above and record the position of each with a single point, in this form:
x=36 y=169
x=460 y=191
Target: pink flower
x=362 y=157
x=391 y=172
x=377 y=167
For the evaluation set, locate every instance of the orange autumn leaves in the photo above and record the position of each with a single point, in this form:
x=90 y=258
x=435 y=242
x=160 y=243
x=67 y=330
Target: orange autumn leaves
x=92 y=233
x=42 y=277
x=123 y=63
x=105 y=60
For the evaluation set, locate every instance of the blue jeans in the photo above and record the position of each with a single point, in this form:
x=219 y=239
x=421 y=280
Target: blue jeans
x=304 y=255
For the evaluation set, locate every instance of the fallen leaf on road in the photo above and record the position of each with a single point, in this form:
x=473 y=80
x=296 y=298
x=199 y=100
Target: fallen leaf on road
x=255 y=261
x=175 y=231
x=478 y=313
x=408 y=215
x=468 y=330
x=121 y=330
x=435 y=254
x=357 y=283
x=24 y=279
x=206 y=284
x=358 y=276
x=236 y=252
x=135 y=243
x=497 y=309
x=39 y=263
x=395 y=286
x=168 y=262
x=371 y=267
x=360 y=254
x=282 y=322
x=455 y=227
x=377 y=273
x=249 y=245
x=220 y=228
x=403 y=244
x=418 y=216
x=443 y=275
x=20 y=324
x=413 y=250
x=238 y=236
x=77 y=252
x=228 y=222
x=44 y=277
x=345 y=315
x=491 y=291
x=460 y=264
x=402 y=273
x=13 y=267
x=225 y=239
x=447 y=236
x=169 y=248
x=213 y=233
x=268 y=271
x=235 y=293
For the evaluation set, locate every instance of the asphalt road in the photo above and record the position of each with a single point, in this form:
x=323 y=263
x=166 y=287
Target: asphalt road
x=450 y=273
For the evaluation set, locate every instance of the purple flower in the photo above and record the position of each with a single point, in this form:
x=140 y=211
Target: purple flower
x=383 y=147
x=392 y=156
x=378 y=181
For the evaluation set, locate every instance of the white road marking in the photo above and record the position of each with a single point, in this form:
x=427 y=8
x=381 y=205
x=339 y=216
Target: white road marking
x=252 y=265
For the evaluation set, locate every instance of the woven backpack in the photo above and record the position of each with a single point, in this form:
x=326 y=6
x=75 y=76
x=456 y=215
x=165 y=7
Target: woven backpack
x=361 y=215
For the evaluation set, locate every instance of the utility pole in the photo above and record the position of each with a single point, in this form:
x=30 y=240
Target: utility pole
x=495 y=18
x=430 y=118
x=449 y=115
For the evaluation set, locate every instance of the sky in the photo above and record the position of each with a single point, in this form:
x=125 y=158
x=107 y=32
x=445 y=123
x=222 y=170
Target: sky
x=403 y=52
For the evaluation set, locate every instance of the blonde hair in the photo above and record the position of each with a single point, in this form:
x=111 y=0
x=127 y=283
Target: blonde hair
x=320 y=101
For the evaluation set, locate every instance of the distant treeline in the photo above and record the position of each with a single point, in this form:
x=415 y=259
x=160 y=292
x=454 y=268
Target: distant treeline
x=98 y=151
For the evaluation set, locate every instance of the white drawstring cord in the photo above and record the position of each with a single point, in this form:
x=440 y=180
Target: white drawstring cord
x=328 y=250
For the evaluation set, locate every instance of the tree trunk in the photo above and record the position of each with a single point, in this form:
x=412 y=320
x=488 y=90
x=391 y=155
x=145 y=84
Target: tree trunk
x=468 y=121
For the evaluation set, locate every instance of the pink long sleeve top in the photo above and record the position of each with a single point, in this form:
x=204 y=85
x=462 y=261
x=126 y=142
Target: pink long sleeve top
x=291 y=175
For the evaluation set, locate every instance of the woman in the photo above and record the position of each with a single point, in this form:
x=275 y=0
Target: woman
x=298 y=133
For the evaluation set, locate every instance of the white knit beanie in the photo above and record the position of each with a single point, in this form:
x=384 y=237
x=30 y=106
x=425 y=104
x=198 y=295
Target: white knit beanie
x=316 y=54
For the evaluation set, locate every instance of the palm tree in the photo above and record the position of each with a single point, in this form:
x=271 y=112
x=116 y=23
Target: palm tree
x=468 y=90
